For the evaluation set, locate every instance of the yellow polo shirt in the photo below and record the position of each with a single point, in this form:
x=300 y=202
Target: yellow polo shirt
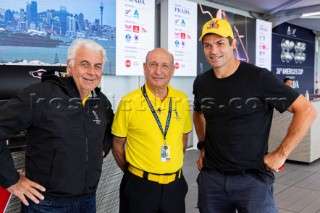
x=135 y=121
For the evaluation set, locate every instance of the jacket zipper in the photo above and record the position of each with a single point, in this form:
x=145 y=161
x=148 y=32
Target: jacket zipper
x=51 y=166
x=87 y=150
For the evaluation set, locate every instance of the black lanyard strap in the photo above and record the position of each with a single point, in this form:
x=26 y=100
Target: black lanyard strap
x=164 y=132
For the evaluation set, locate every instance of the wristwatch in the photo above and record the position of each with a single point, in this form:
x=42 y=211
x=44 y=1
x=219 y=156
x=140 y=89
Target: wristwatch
x=200 y=145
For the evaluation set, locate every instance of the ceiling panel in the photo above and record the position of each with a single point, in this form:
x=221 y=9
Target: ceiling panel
x=279 y=11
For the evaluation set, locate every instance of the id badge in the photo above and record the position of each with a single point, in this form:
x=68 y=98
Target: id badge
x=165 y=153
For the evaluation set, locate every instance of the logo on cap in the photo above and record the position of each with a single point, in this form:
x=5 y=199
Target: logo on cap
x=213 y=24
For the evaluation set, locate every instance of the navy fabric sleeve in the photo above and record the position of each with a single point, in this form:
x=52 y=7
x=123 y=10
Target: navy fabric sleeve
x=8 y=174
x=15 y=116
x=107 y=143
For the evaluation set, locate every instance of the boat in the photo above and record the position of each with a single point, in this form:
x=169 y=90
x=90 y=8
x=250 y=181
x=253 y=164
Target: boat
x=8 y=38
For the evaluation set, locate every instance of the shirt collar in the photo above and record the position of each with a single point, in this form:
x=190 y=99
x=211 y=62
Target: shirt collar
x=152 y=96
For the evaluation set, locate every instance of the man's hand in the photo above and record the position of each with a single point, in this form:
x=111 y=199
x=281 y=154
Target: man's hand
x=27 y=188
x=200 y=159
x=274 y=161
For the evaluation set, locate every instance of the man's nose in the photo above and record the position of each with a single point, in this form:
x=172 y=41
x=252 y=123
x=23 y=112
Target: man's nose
x=158 y=69
x=213 y=49
x=91 y=70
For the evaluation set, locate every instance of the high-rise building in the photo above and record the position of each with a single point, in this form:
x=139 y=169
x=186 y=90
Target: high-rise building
x=22 y=21
x=101 y=12
x=34 y=11
x=8 y=17
x=28 y=13
x=70 y=24
x=81 y=22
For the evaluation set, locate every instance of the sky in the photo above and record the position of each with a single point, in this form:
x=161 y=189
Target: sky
x=90 y=8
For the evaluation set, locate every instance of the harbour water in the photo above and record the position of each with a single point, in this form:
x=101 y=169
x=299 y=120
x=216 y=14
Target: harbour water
x=51 y=55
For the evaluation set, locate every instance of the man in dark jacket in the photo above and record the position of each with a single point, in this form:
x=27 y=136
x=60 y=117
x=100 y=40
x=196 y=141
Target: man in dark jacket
x=68 y=122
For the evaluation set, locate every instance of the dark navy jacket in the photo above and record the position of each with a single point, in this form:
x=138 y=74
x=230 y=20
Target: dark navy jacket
x=65 y=140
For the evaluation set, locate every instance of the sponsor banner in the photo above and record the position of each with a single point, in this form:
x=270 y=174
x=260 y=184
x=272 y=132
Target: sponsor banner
x=182 y=36
x=293 y=56
x=263 y=44
x=135 y=35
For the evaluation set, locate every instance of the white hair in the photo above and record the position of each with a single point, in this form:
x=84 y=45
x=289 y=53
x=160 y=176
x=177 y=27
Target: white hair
x=87 y=43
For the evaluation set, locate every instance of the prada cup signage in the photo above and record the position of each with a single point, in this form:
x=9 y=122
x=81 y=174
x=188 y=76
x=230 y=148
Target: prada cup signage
x=263 y=43
x=135 y=35
x=182 y=36
x=293 y=56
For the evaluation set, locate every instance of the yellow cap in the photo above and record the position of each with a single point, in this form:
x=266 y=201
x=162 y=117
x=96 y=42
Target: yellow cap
x=217 y=26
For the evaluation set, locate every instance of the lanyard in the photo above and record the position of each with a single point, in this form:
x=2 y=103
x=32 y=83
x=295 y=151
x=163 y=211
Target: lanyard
x=164 y=132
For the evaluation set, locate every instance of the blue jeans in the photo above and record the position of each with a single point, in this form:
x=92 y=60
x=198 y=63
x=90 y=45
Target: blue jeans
x=85 y=205
x=226 y=193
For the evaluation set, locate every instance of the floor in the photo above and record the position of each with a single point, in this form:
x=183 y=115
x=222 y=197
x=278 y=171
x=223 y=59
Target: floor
x=297 y=187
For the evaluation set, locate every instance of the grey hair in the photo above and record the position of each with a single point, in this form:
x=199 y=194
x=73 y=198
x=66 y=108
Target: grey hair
x=87 y=43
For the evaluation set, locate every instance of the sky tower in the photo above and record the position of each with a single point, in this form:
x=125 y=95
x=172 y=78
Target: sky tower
x=101 y=12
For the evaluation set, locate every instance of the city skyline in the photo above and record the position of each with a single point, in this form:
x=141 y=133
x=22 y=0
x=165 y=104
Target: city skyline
x=74 y=7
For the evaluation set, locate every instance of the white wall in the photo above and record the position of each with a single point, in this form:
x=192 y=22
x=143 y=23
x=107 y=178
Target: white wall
x=115 y=87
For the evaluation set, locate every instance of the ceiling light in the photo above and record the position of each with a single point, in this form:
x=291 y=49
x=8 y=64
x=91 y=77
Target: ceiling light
x=311 y=17
x=310 y=14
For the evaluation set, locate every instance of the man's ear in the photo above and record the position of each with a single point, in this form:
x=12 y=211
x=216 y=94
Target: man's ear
x=234 y=43
x=173 y=69
x=69 y=69
x=144 y=68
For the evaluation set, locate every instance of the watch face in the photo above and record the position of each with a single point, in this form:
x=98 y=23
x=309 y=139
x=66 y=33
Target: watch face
x=200 y=145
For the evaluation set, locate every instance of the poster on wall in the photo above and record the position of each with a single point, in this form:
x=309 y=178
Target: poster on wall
x=135 y=35
x=263 y=44
x=39 y=32
x=293 y=56
x=182 y=36
x=244 y=29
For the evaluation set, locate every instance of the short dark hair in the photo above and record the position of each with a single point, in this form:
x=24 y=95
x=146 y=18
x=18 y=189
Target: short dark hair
x=229 y=39
x=286 y=79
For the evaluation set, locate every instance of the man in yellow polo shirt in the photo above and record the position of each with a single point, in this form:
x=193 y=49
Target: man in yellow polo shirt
x=150 y=131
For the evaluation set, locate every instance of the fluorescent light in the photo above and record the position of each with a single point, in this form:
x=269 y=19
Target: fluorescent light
x=310 y=14
x=311 y=17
